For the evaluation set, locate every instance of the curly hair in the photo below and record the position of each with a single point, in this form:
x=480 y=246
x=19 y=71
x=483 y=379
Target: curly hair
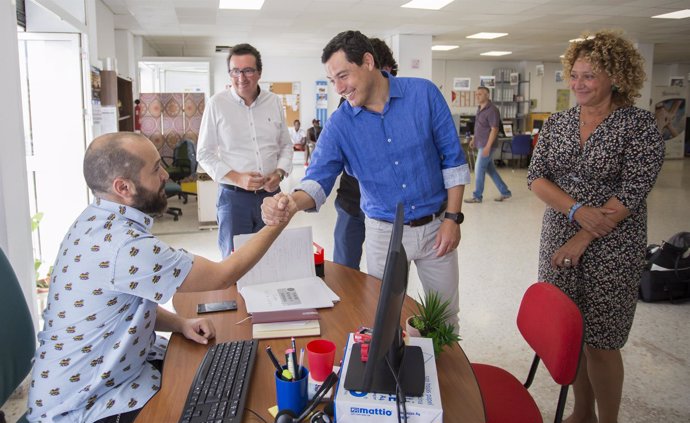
x=609 y=52
x=354 y=44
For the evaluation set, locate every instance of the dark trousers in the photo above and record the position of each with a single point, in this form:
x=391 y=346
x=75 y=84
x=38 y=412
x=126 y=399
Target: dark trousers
x=238 y=212
x=348 y=238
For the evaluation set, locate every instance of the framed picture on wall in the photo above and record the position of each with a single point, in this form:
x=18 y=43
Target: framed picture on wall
x=514 y=78
x=488 y=81
x=559 y=76
x=461 y=84
x=676 y=81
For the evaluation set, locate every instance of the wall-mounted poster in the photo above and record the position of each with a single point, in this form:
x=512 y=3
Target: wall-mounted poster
x=562 y=100
x=669 y=110
x=488 y=81
x=540 y=70
x=559 y=76
x=514 y=78
x=461 y=84
x=676 y=81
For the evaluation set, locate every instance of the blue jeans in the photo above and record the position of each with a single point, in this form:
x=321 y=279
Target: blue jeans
x=348 y=238
x=483 y=166
x=237 y=213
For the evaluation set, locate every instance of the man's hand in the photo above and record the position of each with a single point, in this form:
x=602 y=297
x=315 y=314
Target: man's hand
x=472 y=142
x=595 y=220
x=486 y=152
x=278 y=210
x=251 y=181
x=447 y=238
x=272 y=181
x=198 y=330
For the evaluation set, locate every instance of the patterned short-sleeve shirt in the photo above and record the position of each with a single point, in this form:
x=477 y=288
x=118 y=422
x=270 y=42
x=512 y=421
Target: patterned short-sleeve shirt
x=108 y=278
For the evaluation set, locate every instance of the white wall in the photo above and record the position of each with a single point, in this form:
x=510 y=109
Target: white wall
x=105 y=27
x=124 y=52
x=71 y=12
x=15 y=224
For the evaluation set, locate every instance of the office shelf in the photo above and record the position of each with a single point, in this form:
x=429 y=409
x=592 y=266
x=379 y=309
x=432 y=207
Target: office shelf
x=511 y=96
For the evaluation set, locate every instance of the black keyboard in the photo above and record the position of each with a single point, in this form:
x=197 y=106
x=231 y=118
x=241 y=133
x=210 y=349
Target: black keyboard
x=220 y=386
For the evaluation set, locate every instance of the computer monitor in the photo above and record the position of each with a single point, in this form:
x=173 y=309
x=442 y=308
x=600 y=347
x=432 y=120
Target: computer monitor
x=387 y=351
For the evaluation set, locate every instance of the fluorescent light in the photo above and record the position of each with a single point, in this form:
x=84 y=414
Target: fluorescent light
x=496 y=53
x=443 y=48
x=562 y=56
x=427 y=4
x=680 y=14
x=578 y=40
x=241 y=4
x=487 y=35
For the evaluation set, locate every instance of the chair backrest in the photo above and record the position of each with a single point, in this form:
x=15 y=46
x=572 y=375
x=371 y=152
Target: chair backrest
x=184 y=157
x=16 y=332
x=552 y=325
x=521 y=144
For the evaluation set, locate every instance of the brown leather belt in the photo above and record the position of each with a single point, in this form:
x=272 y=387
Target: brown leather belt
x=425 y=219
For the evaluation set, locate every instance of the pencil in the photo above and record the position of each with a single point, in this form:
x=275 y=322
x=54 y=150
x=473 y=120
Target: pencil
x=301 y=360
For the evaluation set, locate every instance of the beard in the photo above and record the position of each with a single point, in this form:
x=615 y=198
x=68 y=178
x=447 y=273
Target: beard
x=151 y=202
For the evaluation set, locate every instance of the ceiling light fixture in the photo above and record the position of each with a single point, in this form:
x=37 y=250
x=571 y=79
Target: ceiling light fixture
x=496 y=53
x=487 y=35
x=427 y=4
x=577 y=40
x=241 y=4
x=680 y=14
x=443 y=47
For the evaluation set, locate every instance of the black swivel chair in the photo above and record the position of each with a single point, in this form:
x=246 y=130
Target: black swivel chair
x=182 y=165
x=17 y=333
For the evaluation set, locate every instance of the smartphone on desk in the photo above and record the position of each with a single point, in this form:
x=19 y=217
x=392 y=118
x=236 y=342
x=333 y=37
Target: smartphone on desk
x=214 y=307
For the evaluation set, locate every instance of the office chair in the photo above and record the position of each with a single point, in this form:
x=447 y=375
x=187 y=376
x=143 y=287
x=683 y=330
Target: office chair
x=172 y=189
x=520 y=145
x=17 y=334
x=552 y=325
x=182 y=165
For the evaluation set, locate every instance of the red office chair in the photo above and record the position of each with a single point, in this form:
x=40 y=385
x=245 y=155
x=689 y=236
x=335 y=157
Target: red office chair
x=552 y=325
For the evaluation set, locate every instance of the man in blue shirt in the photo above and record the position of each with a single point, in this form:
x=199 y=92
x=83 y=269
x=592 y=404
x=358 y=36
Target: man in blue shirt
x=397 y=137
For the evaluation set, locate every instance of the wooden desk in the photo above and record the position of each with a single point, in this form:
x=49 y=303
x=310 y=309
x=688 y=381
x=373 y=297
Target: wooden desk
x=359 y=293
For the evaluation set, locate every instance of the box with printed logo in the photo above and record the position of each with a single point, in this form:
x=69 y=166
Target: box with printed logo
x=353 y=406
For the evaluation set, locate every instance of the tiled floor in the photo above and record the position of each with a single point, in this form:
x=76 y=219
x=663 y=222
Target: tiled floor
x=498 y=261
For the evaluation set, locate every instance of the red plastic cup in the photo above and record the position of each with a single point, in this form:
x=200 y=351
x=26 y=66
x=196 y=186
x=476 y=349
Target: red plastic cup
x=321 y=354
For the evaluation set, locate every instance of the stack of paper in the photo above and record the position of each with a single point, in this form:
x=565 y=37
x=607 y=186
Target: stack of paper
x=285 y=278
x=285 y=324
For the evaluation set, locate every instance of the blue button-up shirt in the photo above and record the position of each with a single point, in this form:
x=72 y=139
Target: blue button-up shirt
x=410 y=153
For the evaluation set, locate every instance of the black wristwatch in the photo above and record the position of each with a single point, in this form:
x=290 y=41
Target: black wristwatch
x=455 y=217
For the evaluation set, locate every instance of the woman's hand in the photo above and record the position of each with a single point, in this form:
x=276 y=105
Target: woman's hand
x=570 y=253
x=595 y=220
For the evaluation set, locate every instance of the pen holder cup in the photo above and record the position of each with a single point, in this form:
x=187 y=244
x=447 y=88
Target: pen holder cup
x=292 y=395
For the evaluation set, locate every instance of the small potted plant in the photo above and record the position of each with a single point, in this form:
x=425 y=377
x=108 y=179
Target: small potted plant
x=431 y=321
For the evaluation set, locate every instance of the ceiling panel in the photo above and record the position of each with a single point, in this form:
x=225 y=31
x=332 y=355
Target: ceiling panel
x=538 y=29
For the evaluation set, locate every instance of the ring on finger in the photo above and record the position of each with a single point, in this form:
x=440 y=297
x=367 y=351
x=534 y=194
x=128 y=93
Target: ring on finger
x=567 y=262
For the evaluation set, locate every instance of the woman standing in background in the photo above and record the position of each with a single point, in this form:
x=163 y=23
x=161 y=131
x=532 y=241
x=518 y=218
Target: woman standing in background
x=594 y=166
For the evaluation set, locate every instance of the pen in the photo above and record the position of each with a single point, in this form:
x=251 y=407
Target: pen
x=290 y=358
x=274 y=360
x=301 y=360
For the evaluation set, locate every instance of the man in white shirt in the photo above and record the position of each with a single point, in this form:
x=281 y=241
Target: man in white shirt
x=298 y=135
x=243 y=145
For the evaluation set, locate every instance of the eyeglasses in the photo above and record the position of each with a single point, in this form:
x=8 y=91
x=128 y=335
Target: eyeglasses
x=247 y=72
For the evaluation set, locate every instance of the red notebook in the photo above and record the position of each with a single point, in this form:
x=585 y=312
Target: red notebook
x=285 y=315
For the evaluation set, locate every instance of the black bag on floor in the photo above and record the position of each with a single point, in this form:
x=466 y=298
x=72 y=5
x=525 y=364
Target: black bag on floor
x=667 y=275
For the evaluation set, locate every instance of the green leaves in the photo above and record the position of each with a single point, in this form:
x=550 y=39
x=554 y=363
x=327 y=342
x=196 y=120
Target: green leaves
x=431 y=320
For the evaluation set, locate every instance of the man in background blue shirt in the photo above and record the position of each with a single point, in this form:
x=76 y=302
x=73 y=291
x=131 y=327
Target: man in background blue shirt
x=397 y=137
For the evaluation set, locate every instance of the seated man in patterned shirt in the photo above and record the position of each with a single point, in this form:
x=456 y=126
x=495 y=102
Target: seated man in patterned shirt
x=95 y=357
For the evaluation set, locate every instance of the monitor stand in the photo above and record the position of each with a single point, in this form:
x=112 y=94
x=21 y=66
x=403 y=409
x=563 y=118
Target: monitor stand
x=412 y=378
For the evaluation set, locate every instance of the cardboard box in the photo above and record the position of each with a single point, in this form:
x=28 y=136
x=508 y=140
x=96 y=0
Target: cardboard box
x=352 y=406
